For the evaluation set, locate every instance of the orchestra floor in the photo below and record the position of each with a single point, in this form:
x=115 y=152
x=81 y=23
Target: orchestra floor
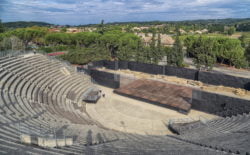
x=130 y=115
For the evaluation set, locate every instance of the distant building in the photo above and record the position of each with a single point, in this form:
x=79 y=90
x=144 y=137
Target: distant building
x=166 y=40
x=201 y=31
x=204 y=31
x=182 y=31
x=191 y=32
x=73 y=30
x=54 y=30
x=140 y=28
x=198 y=32
x=83 y=29
x=160 y=26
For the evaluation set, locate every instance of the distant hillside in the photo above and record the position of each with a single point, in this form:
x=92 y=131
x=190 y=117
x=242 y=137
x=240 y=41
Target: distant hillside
x=227 y=21
x=241 y=24
x=22 y=24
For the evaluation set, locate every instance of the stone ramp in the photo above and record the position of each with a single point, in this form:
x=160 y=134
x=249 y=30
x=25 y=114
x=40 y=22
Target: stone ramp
x=160 y=93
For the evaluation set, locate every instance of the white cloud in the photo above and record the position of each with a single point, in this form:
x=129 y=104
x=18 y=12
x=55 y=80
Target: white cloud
x=85 y=11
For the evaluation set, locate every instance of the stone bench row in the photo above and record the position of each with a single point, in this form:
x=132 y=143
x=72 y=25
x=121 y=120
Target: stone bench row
x=23 y=91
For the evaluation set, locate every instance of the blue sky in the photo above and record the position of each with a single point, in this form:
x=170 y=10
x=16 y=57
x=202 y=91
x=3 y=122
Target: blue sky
x=76 y=12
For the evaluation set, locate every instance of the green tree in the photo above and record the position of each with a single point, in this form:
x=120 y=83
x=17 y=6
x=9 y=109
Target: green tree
x=226 y=50
x=59 y=39
x=247 y=53
x=176 y=56
x=5 y=44
x=111 y=41
x=86 y=39
x=86 y=55
x=140 y=55
x=101 y=28
x=204 y=56
x=63 y=30
x=153 y=42
x=231 y=30
x=29 y=34
x=1 y=27
x=189 y=44
x=178 y=48
x=230 y=52
x=153 y=50
x=128 y=46
x=243 y=38
x=159 y=52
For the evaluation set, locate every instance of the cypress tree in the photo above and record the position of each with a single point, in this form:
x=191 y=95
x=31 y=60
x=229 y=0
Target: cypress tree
x=178 y=50
x=1 y=27
x=152 y=48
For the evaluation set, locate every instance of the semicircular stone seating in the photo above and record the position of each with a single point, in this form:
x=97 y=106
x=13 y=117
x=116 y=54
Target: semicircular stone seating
x=231 y=134
x=37 y=98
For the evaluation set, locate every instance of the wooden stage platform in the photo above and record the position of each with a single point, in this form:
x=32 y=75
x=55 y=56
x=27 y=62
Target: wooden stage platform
x=164 y=94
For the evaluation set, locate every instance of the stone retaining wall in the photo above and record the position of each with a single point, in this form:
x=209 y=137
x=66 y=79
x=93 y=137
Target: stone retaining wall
x=106 y=79
x=219 y=104
x=205 y=77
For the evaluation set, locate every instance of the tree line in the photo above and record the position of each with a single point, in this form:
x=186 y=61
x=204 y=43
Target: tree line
x=105 y=43
x=113 y=43
x=206 y=51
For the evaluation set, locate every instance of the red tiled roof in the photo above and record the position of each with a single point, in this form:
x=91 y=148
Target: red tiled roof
x=56 y=53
